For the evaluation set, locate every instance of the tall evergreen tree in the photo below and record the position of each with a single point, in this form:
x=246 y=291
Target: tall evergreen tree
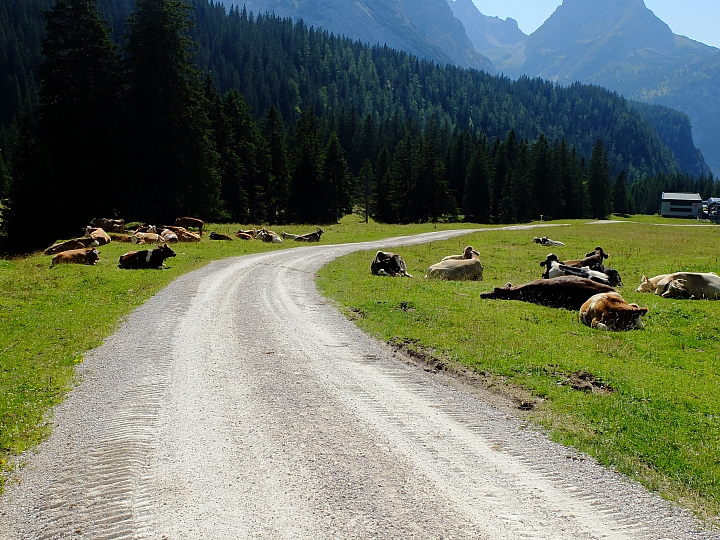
x=174 y=152
x=336 y=185
x=366 y=194
x=620 y=194
x=306 y=169
x=274 y=134
x=599 y=182
x=478 y=199
x=78 y=117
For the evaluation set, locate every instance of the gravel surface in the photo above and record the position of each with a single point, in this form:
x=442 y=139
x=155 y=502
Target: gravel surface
x=238 y=403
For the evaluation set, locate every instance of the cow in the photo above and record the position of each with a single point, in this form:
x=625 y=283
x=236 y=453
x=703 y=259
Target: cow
x=569 y=292
x=98 y=234
x=188 y=222
x=545 y=241
x=554 y=268
x=690 y=285
x=252 y=233
x=146 y=238
x=120 y=237
x=286 y=235
x=591 y=259
x=183 y=234
x=243 y=235
x=78 y=243
x=152 y=258
x=467 y=253
x=651 y=285
x=388 y=264
x=310 y=237
x=76 y=256
x=608 y=311
x=109 y=225
x=218 y=236
x=268 y=236
x=169 y=237
x=468 y=268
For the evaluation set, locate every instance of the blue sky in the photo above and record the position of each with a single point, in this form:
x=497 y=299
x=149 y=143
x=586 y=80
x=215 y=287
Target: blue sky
x=696 y=19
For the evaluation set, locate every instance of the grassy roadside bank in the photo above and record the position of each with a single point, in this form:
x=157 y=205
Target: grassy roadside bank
x=643 y=402
x=50 y=317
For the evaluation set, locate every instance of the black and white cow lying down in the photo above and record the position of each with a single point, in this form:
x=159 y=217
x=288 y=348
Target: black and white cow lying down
x=388 y=264
x=152 y=258
x=599 y=273
x=569 y=292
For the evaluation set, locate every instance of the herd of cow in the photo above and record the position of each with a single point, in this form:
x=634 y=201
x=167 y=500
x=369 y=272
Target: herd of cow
x=583 y=284
x=101 y=231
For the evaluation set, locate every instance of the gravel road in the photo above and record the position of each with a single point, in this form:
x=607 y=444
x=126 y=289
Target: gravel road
x=238 y=403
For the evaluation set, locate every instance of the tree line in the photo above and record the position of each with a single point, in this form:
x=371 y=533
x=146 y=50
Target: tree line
x=139 y=130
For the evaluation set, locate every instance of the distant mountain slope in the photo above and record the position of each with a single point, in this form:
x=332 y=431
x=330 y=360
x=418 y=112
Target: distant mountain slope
x=426 y=28
x=622 y=45
x=493 y=37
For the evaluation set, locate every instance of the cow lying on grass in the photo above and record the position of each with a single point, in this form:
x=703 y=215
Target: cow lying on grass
x=466 y=267
x=78 y=243
x=310 y=237
x=388 y=264
x=683 y=285
x=76 y=256
x=608 y=311
x=554 y=268
x=151 y=258
x=545 y=241
x=569 y=292
x=219 y=236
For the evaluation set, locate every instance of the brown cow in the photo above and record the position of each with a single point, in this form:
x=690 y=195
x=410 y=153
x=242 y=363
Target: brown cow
x=153 y=258
x=78 y=243
x=76 y=256
x=608 y=311
x=188 y=222
x=183 y=234
x=591 y=259
x=109 y=225
x=569 y=292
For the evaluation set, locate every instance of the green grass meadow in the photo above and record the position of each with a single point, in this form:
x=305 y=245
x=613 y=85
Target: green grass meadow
x=655 y=411
x=657 y=418
x=49 y=317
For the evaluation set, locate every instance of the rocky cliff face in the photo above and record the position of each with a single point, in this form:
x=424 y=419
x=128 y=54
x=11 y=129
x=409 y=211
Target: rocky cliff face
x=426 y=28
x=623 y=46
x=495 y=38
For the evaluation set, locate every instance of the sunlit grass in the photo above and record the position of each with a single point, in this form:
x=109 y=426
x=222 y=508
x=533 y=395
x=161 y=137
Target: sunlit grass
x=661 y=421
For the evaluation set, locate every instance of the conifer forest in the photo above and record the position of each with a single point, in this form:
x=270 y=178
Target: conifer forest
x=153 y=109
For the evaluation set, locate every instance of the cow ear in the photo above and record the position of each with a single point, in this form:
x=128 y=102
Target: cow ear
x=643 y=279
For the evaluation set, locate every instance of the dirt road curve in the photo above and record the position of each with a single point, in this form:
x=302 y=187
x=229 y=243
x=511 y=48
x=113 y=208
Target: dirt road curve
x=238 y=404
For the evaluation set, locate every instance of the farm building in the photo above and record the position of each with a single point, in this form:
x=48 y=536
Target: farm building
x=681 y=205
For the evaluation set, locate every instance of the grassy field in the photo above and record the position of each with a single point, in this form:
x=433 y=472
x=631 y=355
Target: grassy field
x=49 y=317
x=654 y=410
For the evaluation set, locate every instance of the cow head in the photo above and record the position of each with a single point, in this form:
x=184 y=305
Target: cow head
x=598 y=251
x=646 y=285
x=613 y=277
x=470 y=253
x=675 y=288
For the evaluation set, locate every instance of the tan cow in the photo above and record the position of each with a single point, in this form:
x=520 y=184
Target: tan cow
x=468 y=268
x=78 y=243
x=147 y=238
x=608 y=311
x=683 y=285
x=98 y=234
x=183 y=234
x=76 y=256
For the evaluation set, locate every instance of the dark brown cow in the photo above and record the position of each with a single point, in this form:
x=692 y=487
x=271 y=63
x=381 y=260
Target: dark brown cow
x=569 y=292
x=388 y=264
x=310 y=237
x=109 y=225
x=76 y=256
x=78 y=243
x=149 y=258
x=218 y=236
x=591 y=259
x=188 y=222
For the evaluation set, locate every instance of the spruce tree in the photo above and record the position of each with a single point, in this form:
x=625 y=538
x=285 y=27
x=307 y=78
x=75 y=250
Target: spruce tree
x=366 y=194
x=274 y=134
x=305 y=197
x=78 y=117
x=336 y=186
x=620 y=194
x=175 y=157
x=598 y=182
x=478 y=199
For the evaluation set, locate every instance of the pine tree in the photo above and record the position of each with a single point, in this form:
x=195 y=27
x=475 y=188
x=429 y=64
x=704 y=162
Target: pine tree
x=78 y=117
x=335 y=189
x=598 y=182
x=366 y=195
x=620 y=194
x=274 y=135
x=478 y=199
x=306 y=171
x=175 y=157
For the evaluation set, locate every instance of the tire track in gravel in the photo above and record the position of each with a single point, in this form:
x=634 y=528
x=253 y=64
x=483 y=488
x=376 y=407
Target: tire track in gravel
x=237 y=403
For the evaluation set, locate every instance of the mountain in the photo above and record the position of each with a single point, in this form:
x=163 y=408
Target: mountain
x=426 y=28
x=493 y=37
x=623 y=46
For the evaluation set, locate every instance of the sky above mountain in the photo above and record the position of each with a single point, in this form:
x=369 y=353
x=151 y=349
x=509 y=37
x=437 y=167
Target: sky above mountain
x=696 y=19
